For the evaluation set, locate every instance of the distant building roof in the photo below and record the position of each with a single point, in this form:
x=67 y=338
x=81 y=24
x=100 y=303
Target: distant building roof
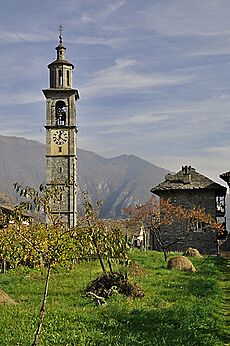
x=225 y=176
x=187 y=179
x=10 y=209
x=5 y=200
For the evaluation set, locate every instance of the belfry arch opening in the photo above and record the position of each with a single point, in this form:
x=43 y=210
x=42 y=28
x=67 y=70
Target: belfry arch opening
x=60 y=113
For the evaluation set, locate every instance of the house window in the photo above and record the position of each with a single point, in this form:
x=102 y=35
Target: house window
x=220 y=204
x=200 y=226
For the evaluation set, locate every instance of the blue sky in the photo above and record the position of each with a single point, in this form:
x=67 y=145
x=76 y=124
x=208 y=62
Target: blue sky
x=153 y=76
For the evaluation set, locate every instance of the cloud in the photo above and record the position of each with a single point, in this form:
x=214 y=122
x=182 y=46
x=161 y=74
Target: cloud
x=104 y=13
x=188 y=18
x=153 y=75
x=171 y=135
x=122 y=77
x=27 y=126
x=125 y=120
x=172 y=119
x=20 y=98
x=114 y=42
x=24 y=36
x=211 y=164
x=205 y=162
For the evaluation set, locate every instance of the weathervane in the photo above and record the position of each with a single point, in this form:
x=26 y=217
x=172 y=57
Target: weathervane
x=60 y=30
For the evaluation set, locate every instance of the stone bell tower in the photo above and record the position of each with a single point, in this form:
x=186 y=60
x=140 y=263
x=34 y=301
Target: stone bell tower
x=61 y=135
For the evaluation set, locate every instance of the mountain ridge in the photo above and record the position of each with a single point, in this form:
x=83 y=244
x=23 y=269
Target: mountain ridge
x=118 y=181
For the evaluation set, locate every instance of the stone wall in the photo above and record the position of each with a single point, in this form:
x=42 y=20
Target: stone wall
x=203 y=198
x=204 y=240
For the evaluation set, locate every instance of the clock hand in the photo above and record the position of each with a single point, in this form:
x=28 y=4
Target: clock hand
x=63 y=136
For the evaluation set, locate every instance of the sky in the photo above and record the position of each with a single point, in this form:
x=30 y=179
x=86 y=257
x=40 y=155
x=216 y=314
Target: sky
x=153 y=76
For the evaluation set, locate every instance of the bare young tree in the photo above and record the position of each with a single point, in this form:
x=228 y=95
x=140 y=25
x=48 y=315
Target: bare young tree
x=171 y=223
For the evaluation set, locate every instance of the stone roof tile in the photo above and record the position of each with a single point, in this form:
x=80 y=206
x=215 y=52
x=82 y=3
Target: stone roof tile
x=187 y=179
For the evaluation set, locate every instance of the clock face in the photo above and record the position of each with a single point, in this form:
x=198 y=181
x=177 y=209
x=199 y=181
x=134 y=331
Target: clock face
x=60 y=137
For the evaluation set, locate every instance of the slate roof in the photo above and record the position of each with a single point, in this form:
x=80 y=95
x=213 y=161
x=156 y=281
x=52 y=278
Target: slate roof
x=60 y=62
x=188 y=179
x=10 y=209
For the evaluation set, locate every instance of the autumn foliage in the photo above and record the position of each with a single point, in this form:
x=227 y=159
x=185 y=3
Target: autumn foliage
x=53 y=244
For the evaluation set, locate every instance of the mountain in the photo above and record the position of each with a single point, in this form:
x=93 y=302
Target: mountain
x=117 y=181
x=21 y=161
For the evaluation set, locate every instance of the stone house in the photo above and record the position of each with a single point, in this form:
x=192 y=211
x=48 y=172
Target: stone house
x=189 y=188
x=7 y=211
x=226 y=245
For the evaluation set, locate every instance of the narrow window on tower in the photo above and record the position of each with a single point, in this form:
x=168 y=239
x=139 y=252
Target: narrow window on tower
x=60 y=80
x=60 y=169
x=60 y=149
x=67 y=75
x=52 y=84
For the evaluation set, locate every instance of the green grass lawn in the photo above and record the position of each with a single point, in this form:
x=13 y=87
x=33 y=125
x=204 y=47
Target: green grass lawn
x=179 y=308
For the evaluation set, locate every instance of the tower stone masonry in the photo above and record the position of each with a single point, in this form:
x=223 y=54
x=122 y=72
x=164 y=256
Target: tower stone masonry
x=61 y=136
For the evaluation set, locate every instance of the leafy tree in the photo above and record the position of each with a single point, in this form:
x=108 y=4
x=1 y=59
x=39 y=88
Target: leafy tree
x=52 y=242
x=104 y=239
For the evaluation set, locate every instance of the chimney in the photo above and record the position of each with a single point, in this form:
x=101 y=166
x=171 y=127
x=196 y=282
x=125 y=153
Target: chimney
x=186 y=170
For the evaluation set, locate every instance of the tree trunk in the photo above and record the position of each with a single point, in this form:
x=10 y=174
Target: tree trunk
x=4 y=265
x=110 y=266
x=97 y=248
x=99 y=255
x=42 y=310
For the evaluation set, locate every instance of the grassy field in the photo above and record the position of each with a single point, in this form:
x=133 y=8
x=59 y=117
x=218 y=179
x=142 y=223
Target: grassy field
x=179 y=308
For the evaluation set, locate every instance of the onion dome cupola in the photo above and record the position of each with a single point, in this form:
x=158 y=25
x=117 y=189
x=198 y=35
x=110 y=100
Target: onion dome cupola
x=61 y=69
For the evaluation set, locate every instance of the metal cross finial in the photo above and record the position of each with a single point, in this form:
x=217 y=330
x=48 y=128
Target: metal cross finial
x=60 y=30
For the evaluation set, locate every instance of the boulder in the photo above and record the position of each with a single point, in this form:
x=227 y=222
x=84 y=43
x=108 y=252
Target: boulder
x=5 y=299
x=181 y=263
x=191 y=252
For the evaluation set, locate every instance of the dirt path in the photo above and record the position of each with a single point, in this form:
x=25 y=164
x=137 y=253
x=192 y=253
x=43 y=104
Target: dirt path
x=225 y=286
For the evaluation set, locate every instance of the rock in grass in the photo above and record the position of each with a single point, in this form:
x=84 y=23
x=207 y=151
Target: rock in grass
x=181 y=263
x=191 y=252
x=5 y=299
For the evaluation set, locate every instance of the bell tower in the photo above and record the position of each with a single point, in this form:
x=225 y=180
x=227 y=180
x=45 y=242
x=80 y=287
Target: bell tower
x=61 y=135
